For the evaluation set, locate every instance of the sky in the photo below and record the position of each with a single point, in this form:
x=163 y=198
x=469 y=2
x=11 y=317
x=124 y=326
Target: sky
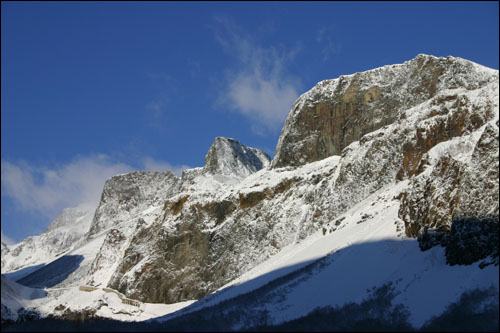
x=94 y=89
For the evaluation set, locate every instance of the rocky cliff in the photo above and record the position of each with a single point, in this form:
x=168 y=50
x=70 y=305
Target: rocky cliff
x=125 y=198
x=430 y=123
x=337 y=112
x=428 y=128
x=229 y=157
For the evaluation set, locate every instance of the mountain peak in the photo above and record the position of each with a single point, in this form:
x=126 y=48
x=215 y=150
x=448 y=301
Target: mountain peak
x=230 y=157
x=337 y=112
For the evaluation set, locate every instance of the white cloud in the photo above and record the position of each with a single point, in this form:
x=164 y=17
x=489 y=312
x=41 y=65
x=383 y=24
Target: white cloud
x=78 y=183
x=157 y=111
x=259 y=87
x=48 y=191
x=156 y=114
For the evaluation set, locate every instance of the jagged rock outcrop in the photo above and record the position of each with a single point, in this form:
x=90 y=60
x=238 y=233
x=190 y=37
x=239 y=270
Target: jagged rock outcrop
x=229 y=157
x=227 y=161
x=109 y=255
x=392 y=124
x=125 y=198
x=464 y=184
x=335 y=113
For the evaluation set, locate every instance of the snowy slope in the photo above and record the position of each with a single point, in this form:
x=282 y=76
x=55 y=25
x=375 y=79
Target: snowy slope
x=212 y=232
x=368 y=251
x=285 y=240
x=61 y=236
x=16 y=297
x=64 y=301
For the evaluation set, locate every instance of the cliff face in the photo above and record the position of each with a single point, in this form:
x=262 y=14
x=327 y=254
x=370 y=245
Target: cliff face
x=460 y=183
x=126 y=197
x=229 y=157
x=430 y=123
x=427 y=128
x=337 y=112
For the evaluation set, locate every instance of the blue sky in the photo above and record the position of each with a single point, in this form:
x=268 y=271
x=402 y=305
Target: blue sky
x=93 y=89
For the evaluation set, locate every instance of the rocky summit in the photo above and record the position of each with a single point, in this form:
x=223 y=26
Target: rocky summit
x=229 y=157
x=335 y=113
x=401 y=152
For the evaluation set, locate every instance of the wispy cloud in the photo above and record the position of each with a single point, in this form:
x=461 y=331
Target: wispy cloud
x=259 y=86
x=158 y=111
x=78 y=183
x=330 y=47
x=48 y=191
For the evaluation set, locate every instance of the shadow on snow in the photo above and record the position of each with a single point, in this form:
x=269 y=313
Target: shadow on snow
x=53 y=273
x=19 y=274
x=246 y=306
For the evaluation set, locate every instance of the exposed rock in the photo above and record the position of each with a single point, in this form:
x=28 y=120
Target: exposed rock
x=229 y=157
x=211 y=232
x=109 y=255
x=453 y=187
x=125 y=197
x=175 y=207
x=335 y=113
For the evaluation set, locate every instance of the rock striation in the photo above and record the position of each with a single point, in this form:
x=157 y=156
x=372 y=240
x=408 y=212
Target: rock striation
x=430 y=123
x=335 y=113
x=428 y=126
x=229 y=157
x=125 y=197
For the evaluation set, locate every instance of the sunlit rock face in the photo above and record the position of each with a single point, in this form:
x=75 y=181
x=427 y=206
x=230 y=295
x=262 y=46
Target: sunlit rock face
x=229 y=157
x=463 y=184
x=427 y=128
x=126 y=196
x=398 y=123
x=335 y=113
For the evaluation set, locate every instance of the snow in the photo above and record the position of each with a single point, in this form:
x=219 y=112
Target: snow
x=61 y=236
x=16 y=296
x=107 y=304
x=368 y=249
x=359 y=256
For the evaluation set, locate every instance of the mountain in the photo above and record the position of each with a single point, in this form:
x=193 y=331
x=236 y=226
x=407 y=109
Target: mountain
x=337 y=112
x=204 y=240
x=229 y=157
x=15 y=298
x=60 y=237
x=383 y=190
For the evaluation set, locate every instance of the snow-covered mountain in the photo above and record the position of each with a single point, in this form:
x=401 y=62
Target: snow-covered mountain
x=61 y=236
x=369 y=170
x=16 y=298
x=229 y=157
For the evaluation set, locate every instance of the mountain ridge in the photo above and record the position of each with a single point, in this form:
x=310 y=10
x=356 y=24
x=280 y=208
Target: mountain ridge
x=430 y=159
